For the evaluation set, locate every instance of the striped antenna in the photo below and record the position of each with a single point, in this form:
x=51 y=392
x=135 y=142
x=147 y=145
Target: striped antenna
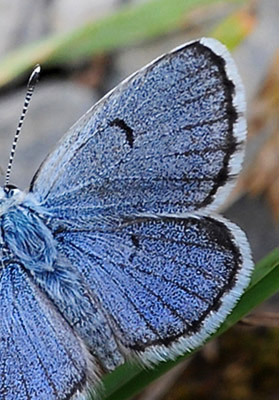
x=30 y=89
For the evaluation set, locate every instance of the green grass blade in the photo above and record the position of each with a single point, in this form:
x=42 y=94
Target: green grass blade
x=130 y=379
x=234 y=28
x=132 y=24
x=129 y=25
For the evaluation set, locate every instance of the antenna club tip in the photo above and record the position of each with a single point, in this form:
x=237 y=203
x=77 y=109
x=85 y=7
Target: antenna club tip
x=37 y=69
x=34 y=76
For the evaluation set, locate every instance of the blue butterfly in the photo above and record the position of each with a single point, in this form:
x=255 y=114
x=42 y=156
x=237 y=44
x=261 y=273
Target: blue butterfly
x=116 y=251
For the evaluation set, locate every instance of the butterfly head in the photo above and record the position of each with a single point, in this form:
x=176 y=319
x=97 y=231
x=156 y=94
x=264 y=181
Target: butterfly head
x=10 y=196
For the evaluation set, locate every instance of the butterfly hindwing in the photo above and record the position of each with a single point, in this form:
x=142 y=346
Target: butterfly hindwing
x=165 y=283
x=41 y=356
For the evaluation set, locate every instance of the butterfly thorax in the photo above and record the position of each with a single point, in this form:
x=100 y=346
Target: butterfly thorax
x=25 y=237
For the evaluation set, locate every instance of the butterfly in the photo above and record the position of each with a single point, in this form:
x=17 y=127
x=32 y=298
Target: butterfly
x=116 y=250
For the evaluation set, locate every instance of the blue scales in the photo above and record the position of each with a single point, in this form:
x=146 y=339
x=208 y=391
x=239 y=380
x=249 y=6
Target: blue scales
x=116 y=250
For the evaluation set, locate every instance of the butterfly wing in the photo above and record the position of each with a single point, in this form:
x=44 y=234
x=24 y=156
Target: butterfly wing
x=128 y=191
x=41 y=357
x=166 y=283
x=169 y=139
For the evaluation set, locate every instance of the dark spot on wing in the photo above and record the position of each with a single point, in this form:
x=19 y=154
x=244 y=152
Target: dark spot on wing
x=122 y=125
x=135 y=241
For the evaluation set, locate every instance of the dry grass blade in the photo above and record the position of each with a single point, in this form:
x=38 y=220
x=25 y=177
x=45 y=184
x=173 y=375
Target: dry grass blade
x=264 y=319
x=262 y=176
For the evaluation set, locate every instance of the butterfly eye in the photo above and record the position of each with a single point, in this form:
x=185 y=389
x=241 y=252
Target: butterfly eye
x=11 y=190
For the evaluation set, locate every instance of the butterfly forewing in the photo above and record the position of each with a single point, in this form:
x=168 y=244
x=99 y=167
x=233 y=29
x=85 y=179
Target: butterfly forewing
x=166 y=140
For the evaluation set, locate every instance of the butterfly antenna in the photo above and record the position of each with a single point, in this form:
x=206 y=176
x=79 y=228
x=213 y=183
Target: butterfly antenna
x=30 y=89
